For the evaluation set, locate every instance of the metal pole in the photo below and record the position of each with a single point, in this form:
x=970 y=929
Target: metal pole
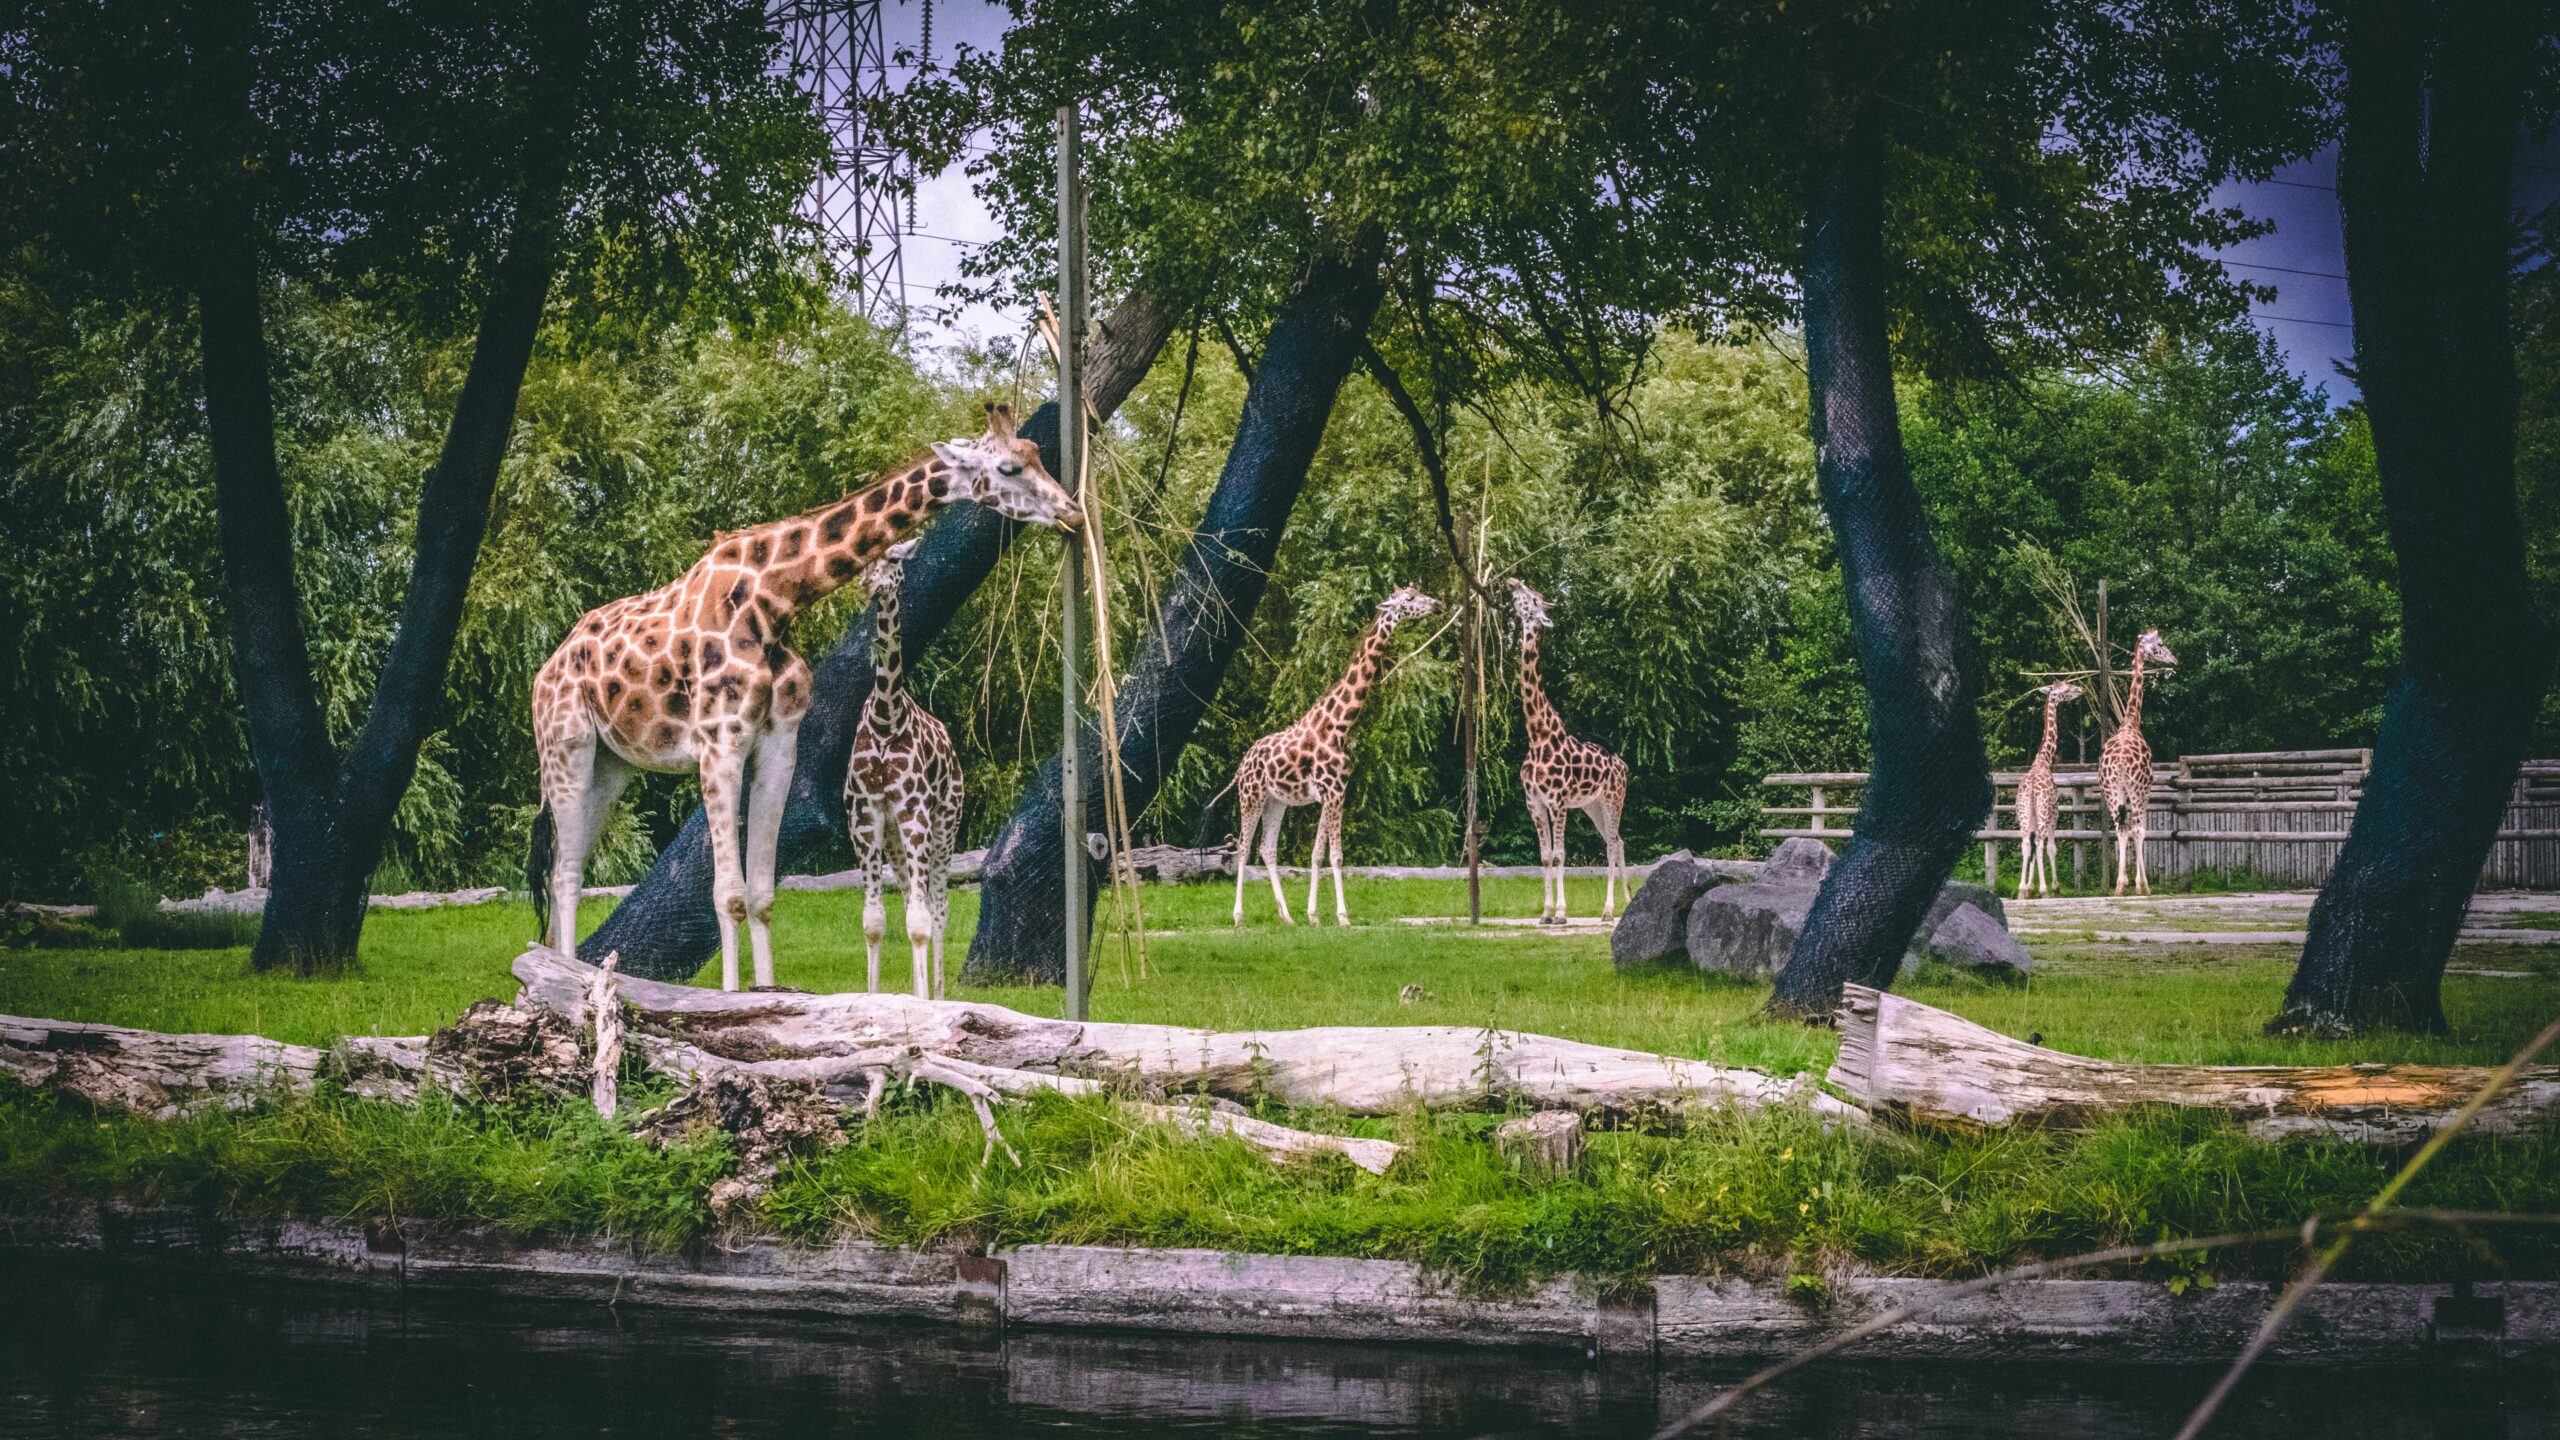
x=1471 y=696
x=1071 y=568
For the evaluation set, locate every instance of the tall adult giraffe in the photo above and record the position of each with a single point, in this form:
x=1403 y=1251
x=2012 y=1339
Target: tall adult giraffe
x=1309 y=763
x=1563 y=774
x=2039 y=803
x=2124 y=771
x=699 y=675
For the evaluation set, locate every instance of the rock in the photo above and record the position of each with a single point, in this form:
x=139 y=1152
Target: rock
x=1963 y=892
x=1746 y=930
x=1548 y=1142
x=1655 y=927
x=1800 y=861
x=1969 y=939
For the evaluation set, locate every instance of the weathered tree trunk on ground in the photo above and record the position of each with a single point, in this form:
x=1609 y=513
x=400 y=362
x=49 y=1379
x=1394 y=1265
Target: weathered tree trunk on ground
x=1200 y=623
x=163 y=1076
x=331 y=814
x=2423 y=177
x=1361 y=1070
x=1902 y=1059
x=666 y=928
x=1930 y=783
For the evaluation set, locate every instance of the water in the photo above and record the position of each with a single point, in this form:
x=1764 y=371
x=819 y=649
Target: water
x=89 y=1352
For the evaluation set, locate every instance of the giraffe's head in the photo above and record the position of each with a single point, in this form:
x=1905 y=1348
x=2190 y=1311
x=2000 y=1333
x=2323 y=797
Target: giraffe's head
x=1530 y=607
x=884 y=573
x=2152 y=648
x=1003 y=472
x=2062 y=690
x=1407 y=602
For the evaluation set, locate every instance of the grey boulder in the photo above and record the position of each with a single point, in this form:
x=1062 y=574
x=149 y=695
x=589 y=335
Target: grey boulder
x=1970 y=940
x=1747 y=930
x=1654 y=928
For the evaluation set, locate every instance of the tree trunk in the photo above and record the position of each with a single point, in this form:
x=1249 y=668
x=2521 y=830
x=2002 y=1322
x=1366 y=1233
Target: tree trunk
x=665 y=929
x=1314 y=343
x=2422 y=193
x=331 y=819
x=1930 y=784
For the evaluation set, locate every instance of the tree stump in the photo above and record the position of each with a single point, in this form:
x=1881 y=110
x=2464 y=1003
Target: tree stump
x=1546 y=1143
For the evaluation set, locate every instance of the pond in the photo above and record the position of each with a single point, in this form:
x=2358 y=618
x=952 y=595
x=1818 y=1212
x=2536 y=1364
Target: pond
x=86 y=1351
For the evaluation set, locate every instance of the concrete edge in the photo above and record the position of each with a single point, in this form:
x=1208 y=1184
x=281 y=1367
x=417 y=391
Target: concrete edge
x=1212 y=1292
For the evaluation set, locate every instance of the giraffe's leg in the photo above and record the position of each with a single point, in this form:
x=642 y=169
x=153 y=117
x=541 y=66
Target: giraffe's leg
x=1315 y=867
x=581 y=795
x=2047 y=884
x=870 y=851
x=1605 y=820
x=1329 y=837
x=1248 y=830
x=776 y=753
x=1273 y=813
x=2141 y=860
x=2120 y=864
x=1542 y=817
x=920 y=915
x=2028 y=849
x=723 y=783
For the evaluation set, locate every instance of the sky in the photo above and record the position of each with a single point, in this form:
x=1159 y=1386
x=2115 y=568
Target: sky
x=2303 y=257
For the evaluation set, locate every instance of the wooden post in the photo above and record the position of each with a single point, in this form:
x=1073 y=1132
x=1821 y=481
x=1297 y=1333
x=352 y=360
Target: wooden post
x=1818 y=816
x=1071 y=418
x=1471 y=701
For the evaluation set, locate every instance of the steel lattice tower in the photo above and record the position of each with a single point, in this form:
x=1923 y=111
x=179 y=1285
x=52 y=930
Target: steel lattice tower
x=836 y=49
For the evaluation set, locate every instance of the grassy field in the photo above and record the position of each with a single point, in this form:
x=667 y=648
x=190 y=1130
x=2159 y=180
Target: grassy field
x=2200 y=1004
x=1771 y=1192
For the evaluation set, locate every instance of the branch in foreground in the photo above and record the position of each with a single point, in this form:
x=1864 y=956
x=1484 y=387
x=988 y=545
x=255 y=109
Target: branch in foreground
x=1901 y=1058
x=1362 y=1070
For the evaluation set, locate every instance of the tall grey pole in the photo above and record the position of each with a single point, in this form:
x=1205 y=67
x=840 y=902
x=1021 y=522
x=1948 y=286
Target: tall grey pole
x=1071 y=438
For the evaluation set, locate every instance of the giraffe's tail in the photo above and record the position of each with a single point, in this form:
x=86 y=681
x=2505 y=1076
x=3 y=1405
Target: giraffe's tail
x=537 y=869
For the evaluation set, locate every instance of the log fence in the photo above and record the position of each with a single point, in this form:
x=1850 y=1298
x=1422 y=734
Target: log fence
x=2277 y=817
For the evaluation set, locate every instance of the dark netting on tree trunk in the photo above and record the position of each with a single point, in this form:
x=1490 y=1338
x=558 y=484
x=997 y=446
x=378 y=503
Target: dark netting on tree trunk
x=2422 y=193
x=1200 y=623
x=1929 y=784
x=666 y=929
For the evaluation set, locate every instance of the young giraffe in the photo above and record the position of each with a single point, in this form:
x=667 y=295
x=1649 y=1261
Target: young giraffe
x=699 y=675
x=903 y=785
x=1308 y=764
x=2039 y=805
x=2124 y=772
x=1563 y=774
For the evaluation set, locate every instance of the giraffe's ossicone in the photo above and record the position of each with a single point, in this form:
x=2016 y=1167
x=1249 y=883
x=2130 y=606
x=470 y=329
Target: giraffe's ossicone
x=699 y=675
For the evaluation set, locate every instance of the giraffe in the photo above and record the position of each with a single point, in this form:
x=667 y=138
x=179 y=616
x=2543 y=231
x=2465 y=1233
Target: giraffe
x=903 y=785
x=1564 y=774
x=1308 y=764
x=699 y=675
x=2039 y=806
x=2124 y=772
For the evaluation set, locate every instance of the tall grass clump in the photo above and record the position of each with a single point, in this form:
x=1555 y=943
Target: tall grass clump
x=130 y=908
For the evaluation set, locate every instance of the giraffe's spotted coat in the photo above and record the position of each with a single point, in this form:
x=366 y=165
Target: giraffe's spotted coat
x=2124 y=772
x=902 y=794
x=1564 y=773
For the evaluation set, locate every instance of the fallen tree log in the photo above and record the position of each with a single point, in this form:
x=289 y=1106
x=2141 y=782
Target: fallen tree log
x=163 y=1076
x=1905 y=1060
x=1363 y=1070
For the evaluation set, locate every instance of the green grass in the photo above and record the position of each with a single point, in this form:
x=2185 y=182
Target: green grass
x=1764 y=1193
x=2159 y=1003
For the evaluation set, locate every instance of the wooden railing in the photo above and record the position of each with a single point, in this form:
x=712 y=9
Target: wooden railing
x=2277 y=815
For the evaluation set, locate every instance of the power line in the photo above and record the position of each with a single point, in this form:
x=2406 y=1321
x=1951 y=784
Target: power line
x=2300 y=320
x=2282 y=269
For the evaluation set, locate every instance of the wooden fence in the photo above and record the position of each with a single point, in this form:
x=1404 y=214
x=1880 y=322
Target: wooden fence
x=2276 y=817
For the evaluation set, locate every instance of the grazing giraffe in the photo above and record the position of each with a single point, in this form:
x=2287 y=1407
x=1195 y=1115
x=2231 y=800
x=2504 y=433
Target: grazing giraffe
x=2039 y=804
x=1309 y=764
x=902 y=786
x=1563 y=774
x=2124 y=772
x=699 y=675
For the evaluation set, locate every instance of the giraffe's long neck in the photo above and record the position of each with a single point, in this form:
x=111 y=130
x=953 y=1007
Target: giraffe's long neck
x=806 y=558
x=1342 y=704
x=1542 y=717
x=2052 y=737
x=890 y=702
x=2132 y=723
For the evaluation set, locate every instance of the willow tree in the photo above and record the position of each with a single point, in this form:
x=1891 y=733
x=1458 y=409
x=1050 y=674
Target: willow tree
x=2433 y=101
x=454 y=163
x=1966 y=190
